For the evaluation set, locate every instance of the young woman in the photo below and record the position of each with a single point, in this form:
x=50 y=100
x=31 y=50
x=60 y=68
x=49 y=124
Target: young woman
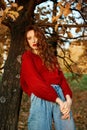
x=42 y=79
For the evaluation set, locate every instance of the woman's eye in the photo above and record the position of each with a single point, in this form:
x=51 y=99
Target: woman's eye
x=28 y=38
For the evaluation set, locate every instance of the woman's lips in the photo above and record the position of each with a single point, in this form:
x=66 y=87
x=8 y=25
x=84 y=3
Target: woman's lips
x=34 y=44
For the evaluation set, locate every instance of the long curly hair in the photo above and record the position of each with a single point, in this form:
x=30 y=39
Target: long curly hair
x=46 y=50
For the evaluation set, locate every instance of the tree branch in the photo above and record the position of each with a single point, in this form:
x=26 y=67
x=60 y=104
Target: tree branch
x=61 y=25
x=1 y=67
x=72 y=37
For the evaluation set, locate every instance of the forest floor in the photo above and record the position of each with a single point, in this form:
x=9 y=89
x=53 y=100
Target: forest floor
x=79 y=109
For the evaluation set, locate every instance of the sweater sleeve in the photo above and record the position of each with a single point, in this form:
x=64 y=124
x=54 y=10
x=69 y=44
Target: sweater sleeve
x=31 y=81
x=64 y=85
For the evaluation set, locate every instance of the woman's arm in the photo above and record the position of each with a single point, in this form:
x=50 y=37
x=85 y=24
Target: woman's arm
x=31 y=80
x=64 y=85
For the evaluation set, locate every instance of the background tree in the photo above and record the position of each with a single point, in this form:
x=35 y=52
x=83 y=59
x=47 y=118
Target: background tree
x=16 y=17
x=72 y=30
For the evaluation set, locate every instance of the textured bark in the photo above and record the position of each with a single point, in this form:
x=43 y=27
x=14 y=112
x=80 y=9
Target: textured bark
x=10 y=92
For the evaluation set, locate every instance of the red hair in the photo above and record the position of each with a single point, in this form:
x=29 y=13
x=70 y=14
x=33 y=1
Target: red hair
x=46 y=51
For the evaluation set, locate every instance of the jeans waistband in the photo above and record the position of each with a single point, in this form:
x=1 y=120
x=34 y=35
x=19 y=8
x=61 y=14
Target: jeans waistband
x=59 y=91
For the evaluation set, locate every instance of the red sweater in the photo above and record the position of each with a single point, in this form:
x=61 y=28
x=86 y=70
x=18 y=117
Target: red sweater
x=37 y=79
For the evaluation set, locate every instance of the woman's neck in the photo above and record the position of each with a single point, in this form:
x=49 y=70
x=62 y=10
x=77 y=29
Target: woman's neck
x=35 y=52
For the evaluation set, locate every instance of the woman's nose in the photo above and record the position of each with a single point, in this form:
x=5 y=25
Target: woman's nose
x=34 y=40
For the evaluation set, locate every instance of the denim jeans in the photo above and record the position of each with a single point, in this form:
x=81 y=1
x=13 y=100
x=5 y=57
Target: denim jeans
x=43 y=113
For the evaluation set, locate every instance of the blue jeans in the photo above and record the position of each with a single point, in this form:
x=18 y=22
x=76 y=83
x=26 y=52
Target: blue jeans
x=43 y=113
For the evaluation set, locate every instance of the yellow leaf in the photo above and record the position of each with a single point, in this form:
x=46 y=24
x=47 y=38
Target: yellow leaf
x=12 y=17
x=59 y=3
x=66 y=12
x=15 y=5
x=78 y=6
x=61 y=6
x=78 y=30
x=6 y=10
x=56 y=27
x=15 y=13
x=20 y=8
x=67 y=5
x=55 y=18
x=69 y=34
x=1 y=47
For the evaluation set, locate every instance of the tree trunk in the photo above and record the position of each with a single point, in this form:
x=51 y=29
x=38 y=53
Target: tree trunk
x=10 y=91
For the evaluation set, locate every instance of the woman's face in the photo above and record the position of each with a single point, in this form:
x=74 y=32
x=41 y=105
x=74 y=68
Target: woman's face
x=32 y=40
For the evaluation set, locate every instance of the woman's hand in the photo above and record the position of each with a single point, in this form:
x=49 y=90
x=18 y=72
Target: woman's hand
x=65 y=116
x=60 y=103
x=68 y=98
x=65 y=107
x=66 y=110
x=69 y=101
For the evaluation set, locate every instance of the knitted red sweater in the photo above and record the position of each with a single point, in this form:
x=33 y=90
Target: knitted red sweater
x=37 y=79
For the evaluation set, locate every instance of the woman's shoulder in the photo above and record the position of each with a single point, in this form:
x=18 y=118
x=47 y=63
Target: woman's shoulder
x=29 y=55
x=26 y=54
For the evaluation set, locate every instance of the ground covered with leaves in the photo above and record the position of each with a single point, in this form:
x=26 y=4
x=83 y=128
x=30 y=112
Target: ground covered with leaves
x=79 y=109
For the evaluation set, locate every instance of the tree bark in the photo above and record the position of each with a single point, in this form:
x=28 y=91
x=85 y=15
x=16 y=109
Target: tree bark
x=10 y=91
